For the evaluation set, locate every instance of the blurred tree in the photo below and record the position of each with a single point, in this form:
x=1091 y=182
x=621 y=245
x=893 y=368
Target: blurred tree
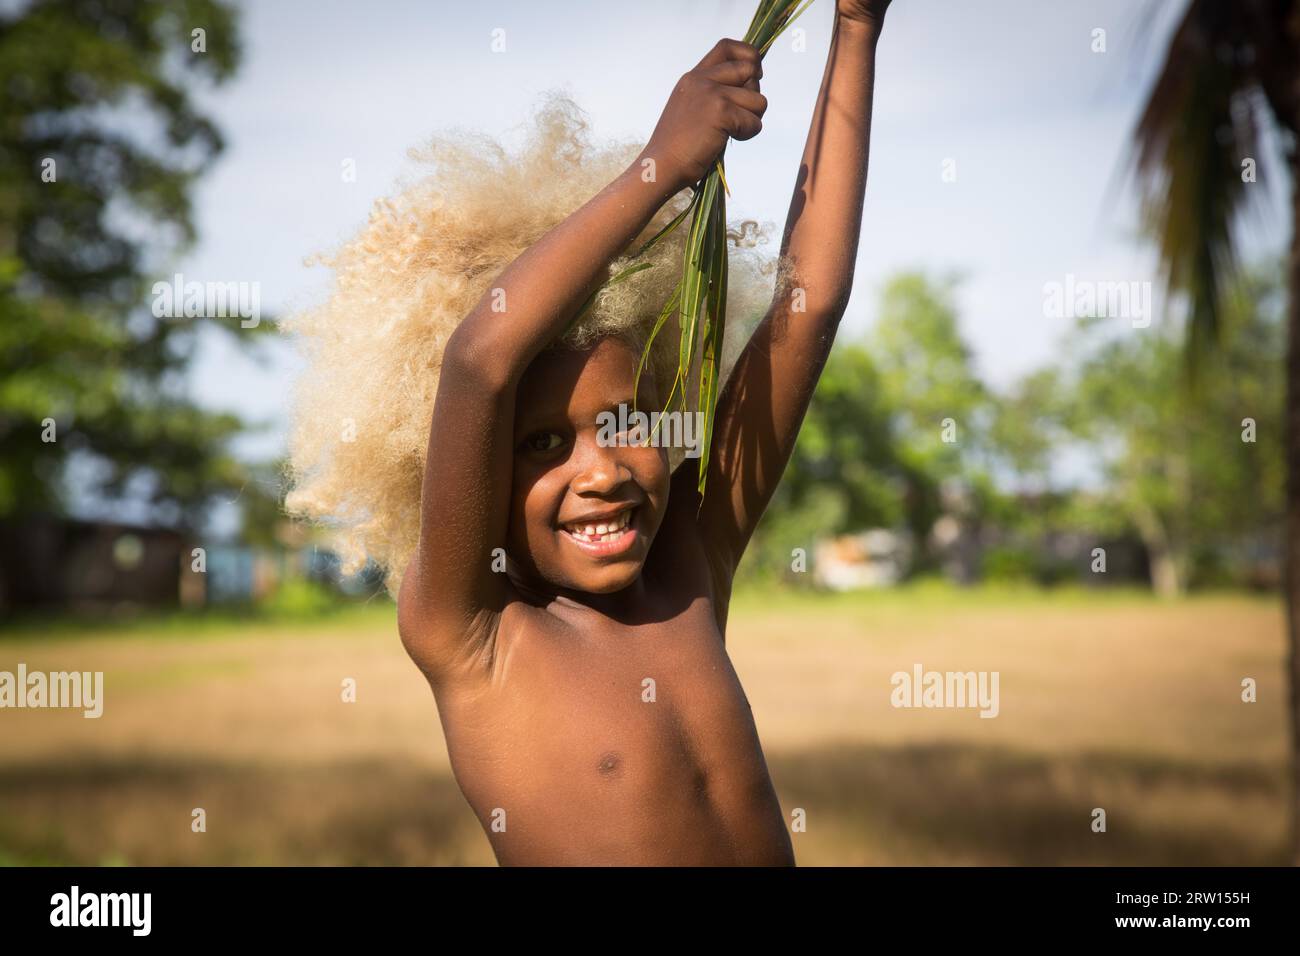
x=843 y=476
x=1171 y=456
x=1025 y=432
x=1129 y=406
x=941 y=411
x=872 y=450
x=263 y=523
x=927 y=372
x=1228 y=69
x=100 y=145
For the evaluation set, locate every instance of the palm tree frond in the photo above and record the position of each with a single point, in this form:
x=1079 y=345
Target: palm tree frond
x=1200 y=123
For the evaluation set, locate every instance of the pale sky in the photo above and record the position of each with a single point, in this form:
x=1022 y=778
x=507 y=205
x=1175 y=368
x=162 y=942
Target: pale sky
x=1038 y=125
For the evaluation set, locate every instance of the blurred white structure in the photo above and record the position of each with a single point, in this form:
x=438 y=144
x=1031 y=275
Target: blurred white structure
x=871 y=559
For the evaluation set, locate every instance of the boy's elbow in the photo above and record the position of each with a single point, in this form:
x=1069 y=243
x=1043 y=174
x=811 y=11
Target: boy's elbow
x=830 y=316
x=835 y=302
x=816 y=298
x=473 y=353
x=823 y=317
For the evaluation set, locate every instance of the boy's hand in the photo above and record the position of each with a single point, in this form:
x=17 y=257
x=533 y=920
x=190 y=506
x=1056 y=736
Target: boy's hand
x=716 y=100
x=864 y=11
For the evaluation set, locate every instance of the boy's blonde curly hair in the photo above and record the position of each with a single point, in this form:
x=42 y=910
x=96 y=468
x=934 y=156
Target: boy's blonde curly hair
x=362 y=407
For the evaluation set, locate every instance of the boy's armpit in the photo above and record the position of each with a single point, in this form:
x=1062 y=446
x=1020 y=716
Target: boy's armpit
x=446 y=650
x=685 y=518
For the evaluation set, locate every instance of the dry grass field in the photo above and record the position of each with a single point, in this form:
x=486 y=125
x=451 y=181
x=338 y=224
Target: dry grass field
x=1116 y=701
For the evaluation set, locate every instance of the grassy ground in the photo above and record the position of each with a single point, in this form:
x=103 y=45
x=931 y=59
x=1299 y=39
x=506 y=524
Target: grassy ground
x=1115 y=701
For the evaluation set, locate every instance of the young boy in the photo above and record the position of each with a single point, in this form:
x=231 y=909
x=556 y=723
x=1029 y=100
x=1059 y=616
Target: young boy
x=591 y=712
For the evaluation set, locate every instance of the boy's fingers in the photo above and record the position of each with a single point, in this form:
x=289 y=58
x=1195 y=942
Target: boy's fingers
x=747 y=99
x=728 y=49
x=738 y=73
x=741 y=124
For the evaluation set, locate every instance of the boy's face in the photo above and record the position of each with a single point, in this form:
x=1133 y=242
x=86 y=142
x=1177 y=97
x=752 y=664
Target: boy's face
x=582 y=515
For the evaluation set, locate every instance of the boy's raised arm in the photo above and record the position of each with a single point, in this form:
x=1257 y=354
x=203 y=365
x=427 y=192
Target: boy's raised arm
x=767 y=395
x=450 y=597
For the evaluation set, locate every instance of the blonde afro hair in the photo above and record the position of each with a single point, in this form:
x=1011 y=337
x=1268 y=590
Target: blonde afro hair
x=373 y=347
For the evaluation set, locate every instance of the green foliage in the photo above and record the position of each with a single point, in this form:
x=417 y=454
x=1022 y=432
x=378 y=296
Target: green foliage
x=1010 y=564
x=1172 y=451
x=261 y=501
x=871 y=451
x=940 y=409
x=101 y=89
x=1204 y=114
x=1024 y=432
x=298 y=599
x=1174 y=471
x=842 y=476
x=926 y=368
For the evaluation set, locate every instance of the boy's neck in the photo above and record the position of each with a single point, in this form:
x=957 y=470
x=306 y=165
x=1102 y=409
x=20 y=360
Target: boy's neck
x=623 y=606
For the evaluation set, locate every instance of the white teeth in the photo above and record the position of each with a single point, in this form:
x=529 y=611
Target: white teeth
x=605 y=531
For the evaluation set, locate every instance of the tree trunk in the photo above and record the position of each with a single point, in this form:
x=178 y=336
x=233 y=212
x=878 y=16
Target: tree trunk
x=1165 y=579
x=1165 y=559
x=1291 y=545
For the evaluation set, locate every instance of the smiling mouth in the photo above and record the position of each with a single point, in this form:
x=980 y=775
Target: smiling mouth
x=612 y=534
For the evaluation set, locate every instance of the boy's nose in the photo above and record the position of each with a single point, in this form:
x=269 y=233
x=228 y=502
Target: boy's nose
x=600 y=471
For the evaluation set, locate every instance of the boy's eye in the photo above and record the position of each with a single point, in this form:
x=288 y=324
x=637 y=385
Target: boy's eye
x=543 y=442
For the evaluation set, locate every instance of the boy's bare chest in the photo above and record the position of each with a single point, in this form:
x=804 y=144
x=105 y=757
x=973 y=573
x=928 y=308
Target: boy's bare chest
x=640 y=726
x=605 y=689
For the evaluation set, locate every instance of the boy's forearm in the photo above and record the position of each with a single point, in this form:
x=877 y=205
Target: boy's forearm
x=535 y=298
x=825 y=219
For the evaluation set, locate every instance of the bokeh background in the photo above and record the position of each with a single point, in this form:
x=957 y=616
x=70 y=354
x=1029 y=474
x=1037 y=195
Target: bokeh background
x=1103 y=522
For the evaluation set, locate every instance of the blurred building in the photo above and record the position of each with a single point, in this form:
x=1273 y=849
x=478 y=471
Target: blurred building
x=52 y=563
x=872 y=559
x=49 y=563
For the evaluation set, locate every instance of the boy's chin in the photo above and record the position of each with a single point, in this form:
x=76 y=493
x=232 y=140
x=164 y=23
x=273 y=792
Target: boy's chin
x=607 y=580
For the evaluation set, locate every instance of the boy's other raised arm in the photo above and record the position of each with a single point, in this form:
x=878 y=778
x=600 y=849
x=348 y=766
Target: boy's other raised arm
x=763 y=405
